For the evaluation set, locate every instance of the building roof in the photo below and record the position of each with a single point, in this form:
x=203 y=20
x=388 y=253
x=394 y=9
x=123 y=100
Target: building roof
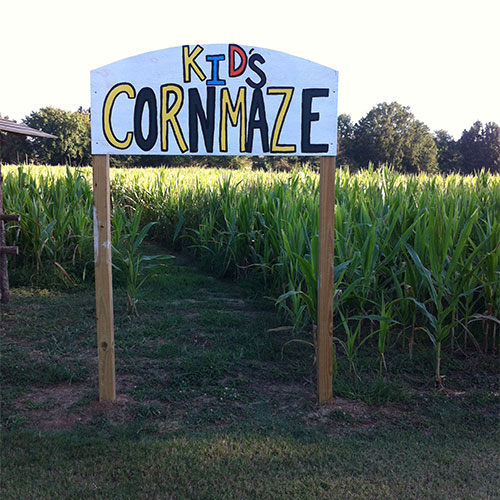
x=21 y=129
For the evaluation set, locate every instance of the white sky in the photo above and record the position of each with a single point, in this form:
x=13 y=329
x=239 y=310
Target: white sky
x=440 y=57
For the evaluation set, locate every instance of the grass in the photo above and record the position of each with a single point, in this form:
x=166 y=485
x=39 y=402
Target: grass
x=212 y=405
x=227 y=466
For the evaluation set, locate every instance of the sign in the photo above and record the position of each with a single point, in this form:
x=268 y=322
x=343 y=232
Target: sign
x=222 y=99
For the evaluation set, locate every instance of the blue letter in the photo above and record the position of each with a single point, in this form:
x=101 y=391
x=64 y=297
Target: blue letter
x=215 y=69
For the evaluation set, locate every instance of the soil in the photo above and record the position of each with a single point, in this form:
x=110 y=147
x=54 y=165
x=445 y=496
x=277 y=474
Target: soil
x=64 y=406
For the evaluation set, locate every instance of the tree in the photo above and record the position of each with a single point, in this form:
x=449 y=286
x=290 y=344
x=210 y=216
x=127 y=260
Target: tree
x=72 y=130
x=345 y=137
x=480 y=148
x=449 y=157
x=391 y=134
x=13 y=147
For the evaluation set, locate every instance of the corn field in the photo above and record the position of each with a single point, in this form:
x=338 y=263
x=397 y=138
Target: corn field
x=416 y=257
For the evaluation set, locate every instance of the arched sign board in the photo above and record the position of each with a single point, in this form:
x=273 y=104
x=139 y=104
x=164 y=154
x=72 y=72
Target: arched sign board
x=221 y=99
x=214 y=100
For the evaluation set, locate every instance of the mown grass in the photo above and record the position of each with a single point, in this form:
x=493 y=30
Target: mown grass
x=211 y=404
x=226 y=466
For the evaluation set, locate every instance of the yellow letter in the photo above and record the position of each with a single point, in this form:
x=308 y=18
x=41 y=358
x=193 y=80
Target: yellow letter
x=234 y=112
x=169 y=115
x=189 y=62
x=106 y=115
x=287 y=93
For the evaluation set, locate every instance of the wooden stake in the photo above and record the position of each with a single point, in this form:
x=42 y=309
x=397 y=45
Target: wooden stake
x=103 y=278
x=324 y=356
x=5 y=250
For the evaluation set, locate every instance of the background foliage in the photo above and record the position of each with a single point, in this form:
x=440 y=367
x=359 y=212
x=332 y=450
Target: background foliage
x=388 y=134
x=71 y=147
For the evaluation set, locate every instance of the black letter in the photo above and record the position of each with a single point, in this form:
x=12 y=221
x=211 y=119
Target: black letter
x=146 y=95
x=261 y=124
x=307 y=117
x=263 y=78
x=207 y=121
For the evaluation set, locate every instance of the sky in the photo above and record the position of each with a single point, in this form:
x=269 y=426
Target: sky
x=439 y=57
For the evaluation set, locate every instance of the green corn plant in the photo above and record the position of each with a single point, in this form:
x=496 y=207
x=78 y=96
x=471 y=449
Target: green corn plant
x=243 y=222
x=385 y=321
x=442 y=298
x=133 y=267
x=490 y=277
x=354 y=340
x=307 y=289
x=351 y=344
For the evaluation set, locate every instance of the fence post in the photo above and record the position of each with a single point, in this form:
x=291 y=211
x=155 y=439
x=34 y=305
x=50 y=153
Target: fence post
x=5 y=250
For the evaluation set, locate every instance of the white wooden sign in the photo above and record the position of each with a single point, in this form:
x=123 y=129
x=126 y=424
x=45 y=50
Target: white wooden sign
x=222 y=99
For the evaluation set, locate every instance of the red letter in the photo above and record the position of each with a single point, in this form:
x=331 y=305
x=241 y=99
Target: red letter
x=243 y=64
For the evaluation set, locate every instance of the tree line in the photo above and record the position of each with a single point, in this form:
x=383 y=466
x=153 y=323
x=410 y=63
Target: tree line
x=388 y=134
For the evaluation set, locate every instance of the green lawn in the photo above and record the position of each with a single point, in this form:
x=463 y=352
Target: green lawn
x=213 y=405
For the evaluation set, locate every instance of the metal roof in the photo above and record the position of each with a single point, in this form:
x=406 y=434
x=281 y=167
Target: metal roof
x=20 y=128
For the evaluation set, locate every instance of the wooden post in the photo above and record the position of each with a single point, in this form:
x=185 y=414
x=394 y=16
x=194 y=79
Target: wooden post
x=4 y=277
x=103 y=278
x=5 y=250
x=324 y=356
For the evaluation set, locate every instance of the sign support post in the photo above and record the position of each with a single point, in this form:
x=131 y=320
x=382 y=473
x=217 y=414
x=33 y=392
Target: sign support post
x=324 y=344
x=103 y=278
